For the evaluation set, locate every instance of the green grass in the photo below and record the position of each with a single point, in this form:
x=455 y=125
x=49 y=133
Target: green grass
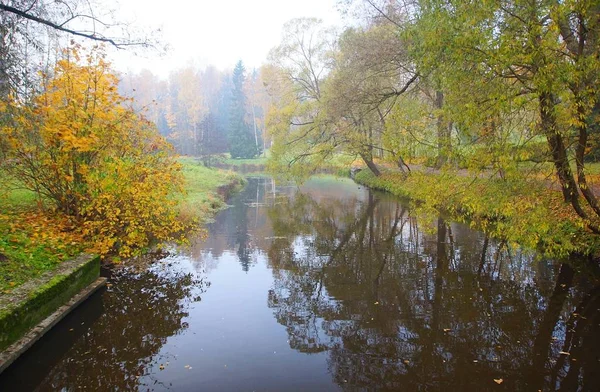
x=201 y=189
x=24 y=258
x=29 y=246
x=18 y=198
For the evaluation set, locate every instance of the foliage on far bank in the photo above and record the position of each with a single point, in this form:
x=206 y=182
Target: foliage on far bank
x=517 y=211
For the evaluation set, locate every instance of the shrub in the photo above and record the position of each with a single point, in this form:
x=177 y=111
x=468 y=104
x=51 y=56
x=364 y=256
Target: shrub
x=79 y=146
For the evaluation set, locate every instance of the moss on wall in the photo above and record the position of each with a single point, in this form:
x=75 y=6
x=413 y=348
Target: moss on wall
x=21 y=311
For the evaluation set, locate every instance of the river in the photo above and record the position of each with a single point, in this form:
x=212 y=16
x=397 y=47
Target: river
x=328 y=286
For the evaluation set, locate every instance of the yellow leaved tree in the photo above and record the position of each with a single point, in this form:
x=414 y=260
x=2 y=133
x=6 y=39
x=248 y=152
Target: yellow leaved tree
x=79 y=146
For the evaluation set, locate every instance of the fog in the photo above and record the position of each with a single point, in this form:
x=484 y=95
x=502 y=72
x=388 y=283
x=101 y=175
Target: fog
x=204 y=32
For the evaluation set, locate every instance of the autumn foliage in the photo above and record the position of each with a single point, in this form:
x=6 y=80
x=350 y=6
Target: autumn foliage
x=84 y=152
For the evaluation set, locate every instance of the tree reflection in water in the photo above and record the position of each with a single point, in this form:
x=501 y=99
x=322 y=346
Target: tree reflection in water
x=119 y=350
x=398 y=308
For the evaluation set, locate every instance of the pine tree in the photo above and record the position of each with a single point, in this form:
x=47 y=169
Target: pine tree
x=241 y=139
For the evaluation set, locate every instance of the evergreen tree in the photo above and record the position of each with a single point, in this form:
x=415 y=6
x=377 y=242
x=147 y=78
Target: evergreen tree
x=241 y=139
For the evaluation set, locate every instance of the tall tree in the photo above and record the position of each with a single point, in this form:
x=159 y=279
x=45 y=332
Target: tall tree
x=241 y=139
x=543 y=52
x=296 y=73
x=372 y=70
x=339 y=91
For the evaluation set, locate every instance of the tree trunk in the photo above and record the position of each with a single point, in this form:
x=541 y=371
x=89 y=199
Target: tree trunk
x=559 y=152
x=443 y=132
x=582 y=142
x=255 y=133
x=368 y=159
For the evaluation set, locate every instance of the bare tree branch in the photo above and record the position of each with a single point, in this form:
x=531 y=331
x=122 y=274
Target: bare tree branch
x=60 y=27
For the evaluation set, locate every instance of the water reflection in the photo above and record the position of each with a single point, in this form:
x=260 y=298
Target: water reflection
x=243 y=228
x=329 y=287
x=398 y=308
x=113 y=350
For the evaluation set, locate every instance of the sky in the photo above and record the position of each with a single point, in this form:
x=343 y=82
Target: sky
x=217 y=32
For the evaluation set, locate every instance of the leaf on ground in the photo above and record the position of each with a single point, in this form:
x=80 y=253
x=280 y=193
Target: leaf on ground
x=498 y=381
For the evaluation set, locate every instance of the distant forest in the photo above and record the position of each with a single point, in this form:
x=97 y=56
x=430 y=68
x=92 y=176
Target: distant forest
x=204 y=111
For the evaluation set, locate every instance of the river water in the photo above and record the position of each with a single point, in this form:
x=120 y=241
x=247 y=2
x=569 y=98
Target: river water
x=328 y=287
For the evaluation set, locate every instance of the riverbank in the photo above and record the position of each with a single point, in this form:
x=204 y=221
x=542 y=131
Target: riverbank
x=206 y=189
x=44 y=298
x=34 y=239
x=40 y=279
x=519 y=212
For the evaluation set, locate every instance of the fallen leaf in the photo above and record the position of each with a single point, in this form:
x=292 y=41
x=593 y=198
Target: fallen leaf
x=498 y=381
x=564 y=353
x=447 y=330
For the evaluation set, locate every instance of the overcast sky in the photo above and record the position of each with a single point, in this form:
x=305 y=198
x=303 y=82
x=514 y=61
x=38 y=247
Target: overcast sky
x=218 y=32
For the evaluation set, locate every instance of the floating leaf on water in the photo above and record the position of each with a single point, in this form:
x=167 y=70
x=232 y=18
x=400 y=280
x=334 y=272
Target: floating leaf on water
x=564 y=353
x=498 y=381
x=447 y=330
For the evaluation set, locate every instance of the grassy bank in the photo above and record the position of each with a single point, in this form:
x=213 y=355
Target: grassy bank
x=34 y=239
x=31 y=240
x=259 y=161
x=206 y=188
x=521 y=212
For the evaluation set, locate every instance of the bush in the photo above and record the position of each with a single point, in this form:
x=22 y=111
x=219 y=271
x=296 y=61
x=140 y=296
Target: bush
x=80 y=147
